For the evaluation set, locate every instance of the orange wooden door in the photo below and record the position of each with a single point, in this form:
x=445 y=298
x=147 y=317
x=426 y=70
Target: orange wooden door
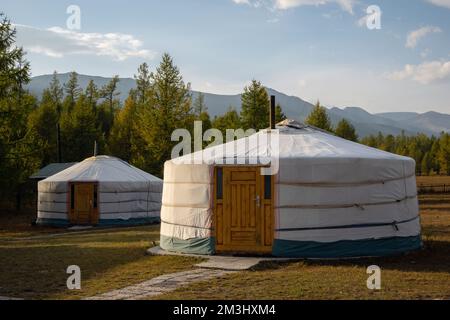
x=241 y=224
x=84 y=207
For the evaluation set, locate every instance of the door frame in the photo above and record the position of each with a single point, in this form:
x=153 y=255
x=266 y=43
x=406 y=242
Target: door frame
x=268 y=227
x=95 y=213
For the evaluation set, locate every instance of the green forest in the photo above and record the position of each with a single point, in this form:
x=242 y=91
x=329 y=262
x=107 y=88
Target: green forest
x=139 y=129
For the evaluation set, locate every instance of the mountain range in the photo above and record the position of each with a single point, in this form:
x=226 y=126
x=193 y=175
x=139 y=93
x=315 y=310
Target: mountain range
x=293 y=107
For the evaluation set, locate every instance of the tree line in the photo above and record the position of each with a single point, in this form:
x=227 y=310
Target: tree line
x=432 y=154
x=139 y=129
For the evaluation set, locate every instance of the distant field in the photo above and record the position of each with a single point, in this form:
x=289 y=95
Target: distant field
x=433 y=184
x=421 y=180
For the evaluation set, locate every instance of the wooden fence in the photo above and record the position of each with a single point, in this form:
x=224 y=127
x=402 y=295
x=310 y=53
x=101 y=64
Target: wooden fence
x=433 y=188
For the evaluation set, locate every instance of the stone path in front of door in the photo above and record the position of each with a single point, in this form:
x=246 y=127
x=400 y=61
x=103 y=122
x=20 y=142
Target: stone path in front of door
x=232 y=263
x=213 y=267
x=160 y=285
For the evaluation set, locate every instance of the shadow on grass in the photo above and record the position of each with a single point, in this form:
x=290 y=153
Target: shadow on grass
x=434 y=257
x=39 y=271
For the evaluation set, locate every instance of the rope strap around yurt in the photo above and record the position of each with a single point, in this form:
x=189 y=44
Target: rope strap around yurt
x=185 y=225
x=345 y=184
x=343 y=206
x=394 y=224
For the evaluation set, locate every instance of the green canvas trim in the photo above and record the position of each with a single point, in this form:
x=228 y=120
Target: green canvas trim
x=205 y=246
x=346 y=248
x=52 y=222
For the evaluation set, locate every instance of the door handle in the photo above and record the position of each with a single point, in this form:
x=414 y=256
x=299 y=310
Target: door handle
x=258 y=201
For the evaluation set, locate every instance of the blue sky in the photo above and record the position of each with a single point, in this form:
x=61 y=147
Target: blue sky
x=314 y=49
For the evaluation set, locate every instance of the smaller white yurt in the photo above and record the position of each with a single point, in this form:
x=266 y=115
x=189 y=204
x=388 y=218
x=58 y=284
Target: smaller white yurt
x=102 y=191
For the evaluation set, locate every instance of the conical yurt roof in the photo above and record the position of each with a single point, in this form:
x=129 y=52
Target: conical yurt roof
x=102 y=168
x=296 y=140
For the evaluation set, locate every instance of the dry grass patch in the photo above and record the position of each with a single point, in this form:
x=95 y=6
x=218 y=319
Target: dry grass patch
x=18 y=225
x=430 y=180
x=109 y=259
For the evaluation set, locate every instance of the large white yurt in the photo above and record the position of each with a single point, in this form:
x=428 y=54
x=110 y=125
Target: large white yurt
x=102 y=191
x=330 y=198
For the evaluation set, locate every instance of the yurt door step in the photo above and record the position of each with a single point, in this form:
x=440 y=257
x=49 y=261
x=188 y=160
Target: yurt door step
x=243 y=210
x=83 y=203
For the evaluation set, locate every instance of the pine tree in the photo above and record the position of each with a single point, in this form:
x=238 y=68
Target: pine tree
x=107 y=109
x=346 y=130
x=435 y=164
x=56 y=93
x=109 y=92
x=14 y=69
x=79 y=131
x=369 y=141
x=124 y=134
x=15 y=106
x=42 y=130
x=279 y=115
x=255 y=107
x=425 y=166
x=230 y=120
x=170 y=109
x=387 y=143
x=92 y=94
x=72 y=91
x=199 y=104
x=444 y=154
x=143 y=84
x=201 y=113
x=319 y=118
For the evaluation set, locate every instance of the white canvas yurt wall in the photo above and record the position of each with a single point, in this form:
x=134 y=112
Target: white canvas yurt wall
x=126 y=194
x=334 y=198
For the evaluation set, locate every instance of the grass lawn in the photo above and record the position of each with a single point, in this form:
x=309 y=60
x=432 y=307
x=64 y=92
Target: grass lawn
x=419 y=275
x=109 y=259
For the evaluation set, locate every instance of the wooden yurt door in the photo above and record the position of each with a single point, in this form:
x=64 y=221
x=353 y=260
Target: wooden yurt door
x=83 y=203
x=243 y=210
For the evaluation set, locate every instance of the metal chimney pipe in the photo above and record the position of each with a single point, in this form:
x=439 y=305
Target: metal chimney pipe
x=95 y=148
x=58 y=143
x=272 y=112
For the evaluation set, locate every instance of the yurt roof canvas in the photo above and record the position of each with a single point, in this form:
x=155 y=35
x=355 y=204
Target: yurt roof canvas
x=102 y=168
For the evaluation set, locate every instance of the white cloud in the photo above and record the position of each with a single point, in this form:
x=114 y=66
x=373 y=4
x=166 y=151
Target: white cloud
x=414 y=36
x=440 y=3
x=425 y=73
x=346 y=5
x=252 y=3
x=57 y=42
x=362 y=22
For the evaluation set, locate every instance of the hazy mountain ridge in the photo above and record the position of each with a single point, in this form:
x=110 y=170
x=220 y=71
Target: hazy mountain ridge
x=294 y=107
